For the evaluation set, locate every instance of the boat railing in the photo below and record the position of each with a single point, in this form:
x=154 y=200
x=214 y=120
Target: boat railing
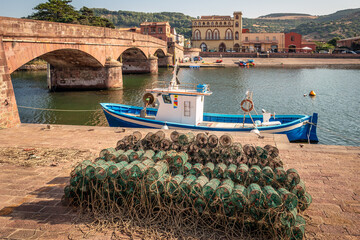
x=182 y=86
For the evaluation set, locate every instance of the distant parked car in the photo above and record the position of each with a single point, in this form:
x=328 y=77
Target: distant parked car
x=198 y=58
x=357 y=52
x=323 y=51
x=344 y=51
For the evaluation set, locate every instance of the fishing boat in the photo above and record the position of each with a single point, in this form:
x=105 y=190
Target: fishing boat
x=172 y=105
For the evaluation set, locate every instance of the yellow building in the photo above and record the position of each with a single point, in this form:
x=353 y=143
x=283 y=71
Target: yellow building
x=217 y=33
x=263 y=42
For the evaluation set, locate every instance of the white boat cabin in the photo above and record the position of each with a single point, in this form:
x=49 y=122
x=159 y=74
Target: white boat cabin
x=180 y=103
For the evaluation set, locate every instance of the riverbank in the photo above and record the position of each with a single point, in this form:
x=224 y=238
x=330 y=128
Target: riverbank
x=30 y=197
x=279 y=62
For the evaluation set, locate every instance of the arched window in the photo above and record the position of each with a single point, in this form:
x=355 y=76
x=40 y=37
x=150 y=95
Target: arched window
x=208 y=23
x=224 y=23
x=208 y=34
x=203 y=47
x=216 y=23
x=194 y=24
x=229 y=23
x=236 y=35
x=237 y=24
x=216 y=34
x=212 y=23
x=220 y=23
x=197 y=34
x=237 y=47
x=203 y=23
x=237 y=17
x=228 y=34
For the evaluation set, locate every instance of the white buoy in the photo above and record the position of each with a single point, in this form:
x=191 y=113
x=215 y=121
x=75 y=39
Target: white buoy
x=165 y=127
x=257 y=132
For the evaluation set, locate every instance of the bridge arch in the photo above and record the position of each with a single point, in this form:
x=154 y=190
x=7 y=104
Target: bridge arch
x=134 y=60
x=26 y=52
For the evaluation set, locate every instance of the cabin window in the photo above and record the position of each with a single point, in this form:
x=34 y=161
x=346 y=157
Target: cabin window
x=166 y=99
x=186 y=108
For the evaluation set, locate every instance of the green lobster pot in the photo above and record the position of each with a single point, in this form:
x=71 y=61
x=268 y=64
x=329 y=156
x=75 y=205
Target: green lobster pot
x=238 y=197
x=186 y=184
x=229 y=207
x=254 y=174
x=299 y=189
x=135 y=156
x=267 y=175
x=101 y=172
x=137 y=170
x=288 y=218
x=98 y=159
x=231 y=172
x=186 y=139
x=155 y=172
x=242 y=173
x=75 y=180
x=100 y=162
x=305 y=201
x=159 y=185
x=272 y=198
x=106 y=151
x=209 y=189
x=126 y=156
x=125 y=172
x=169 y=155
x=180 y=159
x=219 y=171
x=148 y=164
x=200 y=204
x=90 y=172
x=280 y=175
x=159 y=156
x=187 y=168
x=298 y=231
x=196 y=169
x=113 y=171
x=114 y=156
x=257 y=213
x=174 y=184
x=292 y=177
x=255 y=195
x=69 y=191
x=208 y=169
x=225 y=189
x=197 y=186
x=261 y=152
x=289 y=199
x=148 y=154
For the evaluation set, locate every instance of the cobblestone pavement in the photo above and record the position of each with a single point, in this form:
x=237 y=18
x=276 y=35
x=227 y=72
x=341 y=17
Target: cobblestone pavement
x=30 y=197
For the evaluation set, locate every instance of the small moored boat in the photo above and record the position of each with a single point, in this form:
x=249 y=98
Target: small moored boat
x=181 y=106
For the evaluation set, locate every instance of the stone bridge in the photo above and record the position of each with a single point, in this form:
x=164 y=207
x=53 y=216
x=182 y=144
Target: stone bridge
x=79 y=57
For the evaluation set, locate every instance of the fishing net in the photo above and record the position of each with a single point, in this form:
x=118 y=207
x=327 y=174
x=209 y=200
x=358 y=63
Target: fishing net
x=214 y=197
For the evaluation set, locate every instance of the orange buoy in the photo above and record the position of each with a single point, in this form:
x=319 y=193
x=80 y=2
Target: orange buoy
x=312 y=93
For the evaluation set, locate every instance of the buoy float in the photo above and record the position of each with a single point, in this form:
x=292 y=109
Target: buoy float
x=312 y=93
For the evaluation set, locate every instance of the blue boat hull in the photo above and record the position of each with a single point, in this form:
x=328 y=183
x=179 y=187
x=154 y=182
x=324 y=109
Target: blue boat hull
x=298 y=128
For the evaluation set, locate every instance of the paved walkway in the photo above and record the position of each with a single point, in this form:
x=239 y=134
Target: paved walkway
x=30 y=197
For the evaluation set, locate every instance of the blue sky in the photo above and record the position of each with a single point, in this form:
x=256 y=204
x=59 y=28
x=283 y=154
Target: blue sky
x=252 y=8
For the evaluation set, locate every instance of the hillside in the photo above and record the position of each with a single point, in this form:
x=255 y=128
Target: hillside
x=343 y=27
x=343 y=23
x=180 y=21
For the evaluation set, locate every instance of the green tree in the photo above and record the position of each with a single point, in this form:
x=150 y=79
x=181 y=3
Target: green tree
x=62 y=11
x=333 y=41
x=56 y=11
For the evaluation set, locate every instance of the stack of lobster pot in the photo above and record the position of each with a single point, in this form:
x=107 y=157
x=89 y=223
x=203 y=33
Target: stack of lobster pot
x=207 y=173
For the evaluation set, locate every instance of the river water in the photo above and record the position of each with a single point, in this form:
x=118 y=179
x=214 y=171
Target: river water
x=279 y=90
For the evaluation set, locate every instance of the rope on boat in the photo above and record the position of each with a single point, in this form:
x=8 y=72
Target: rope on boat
x=59 y=110
x=333 y=132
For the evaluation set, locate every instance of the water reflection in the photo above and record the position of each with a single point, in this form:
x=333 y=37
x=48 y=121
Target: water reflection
x=279 y=90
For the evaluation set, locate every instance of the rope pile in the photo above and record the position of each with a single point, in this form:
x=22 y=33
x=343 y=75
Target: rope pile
x=215 y=177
